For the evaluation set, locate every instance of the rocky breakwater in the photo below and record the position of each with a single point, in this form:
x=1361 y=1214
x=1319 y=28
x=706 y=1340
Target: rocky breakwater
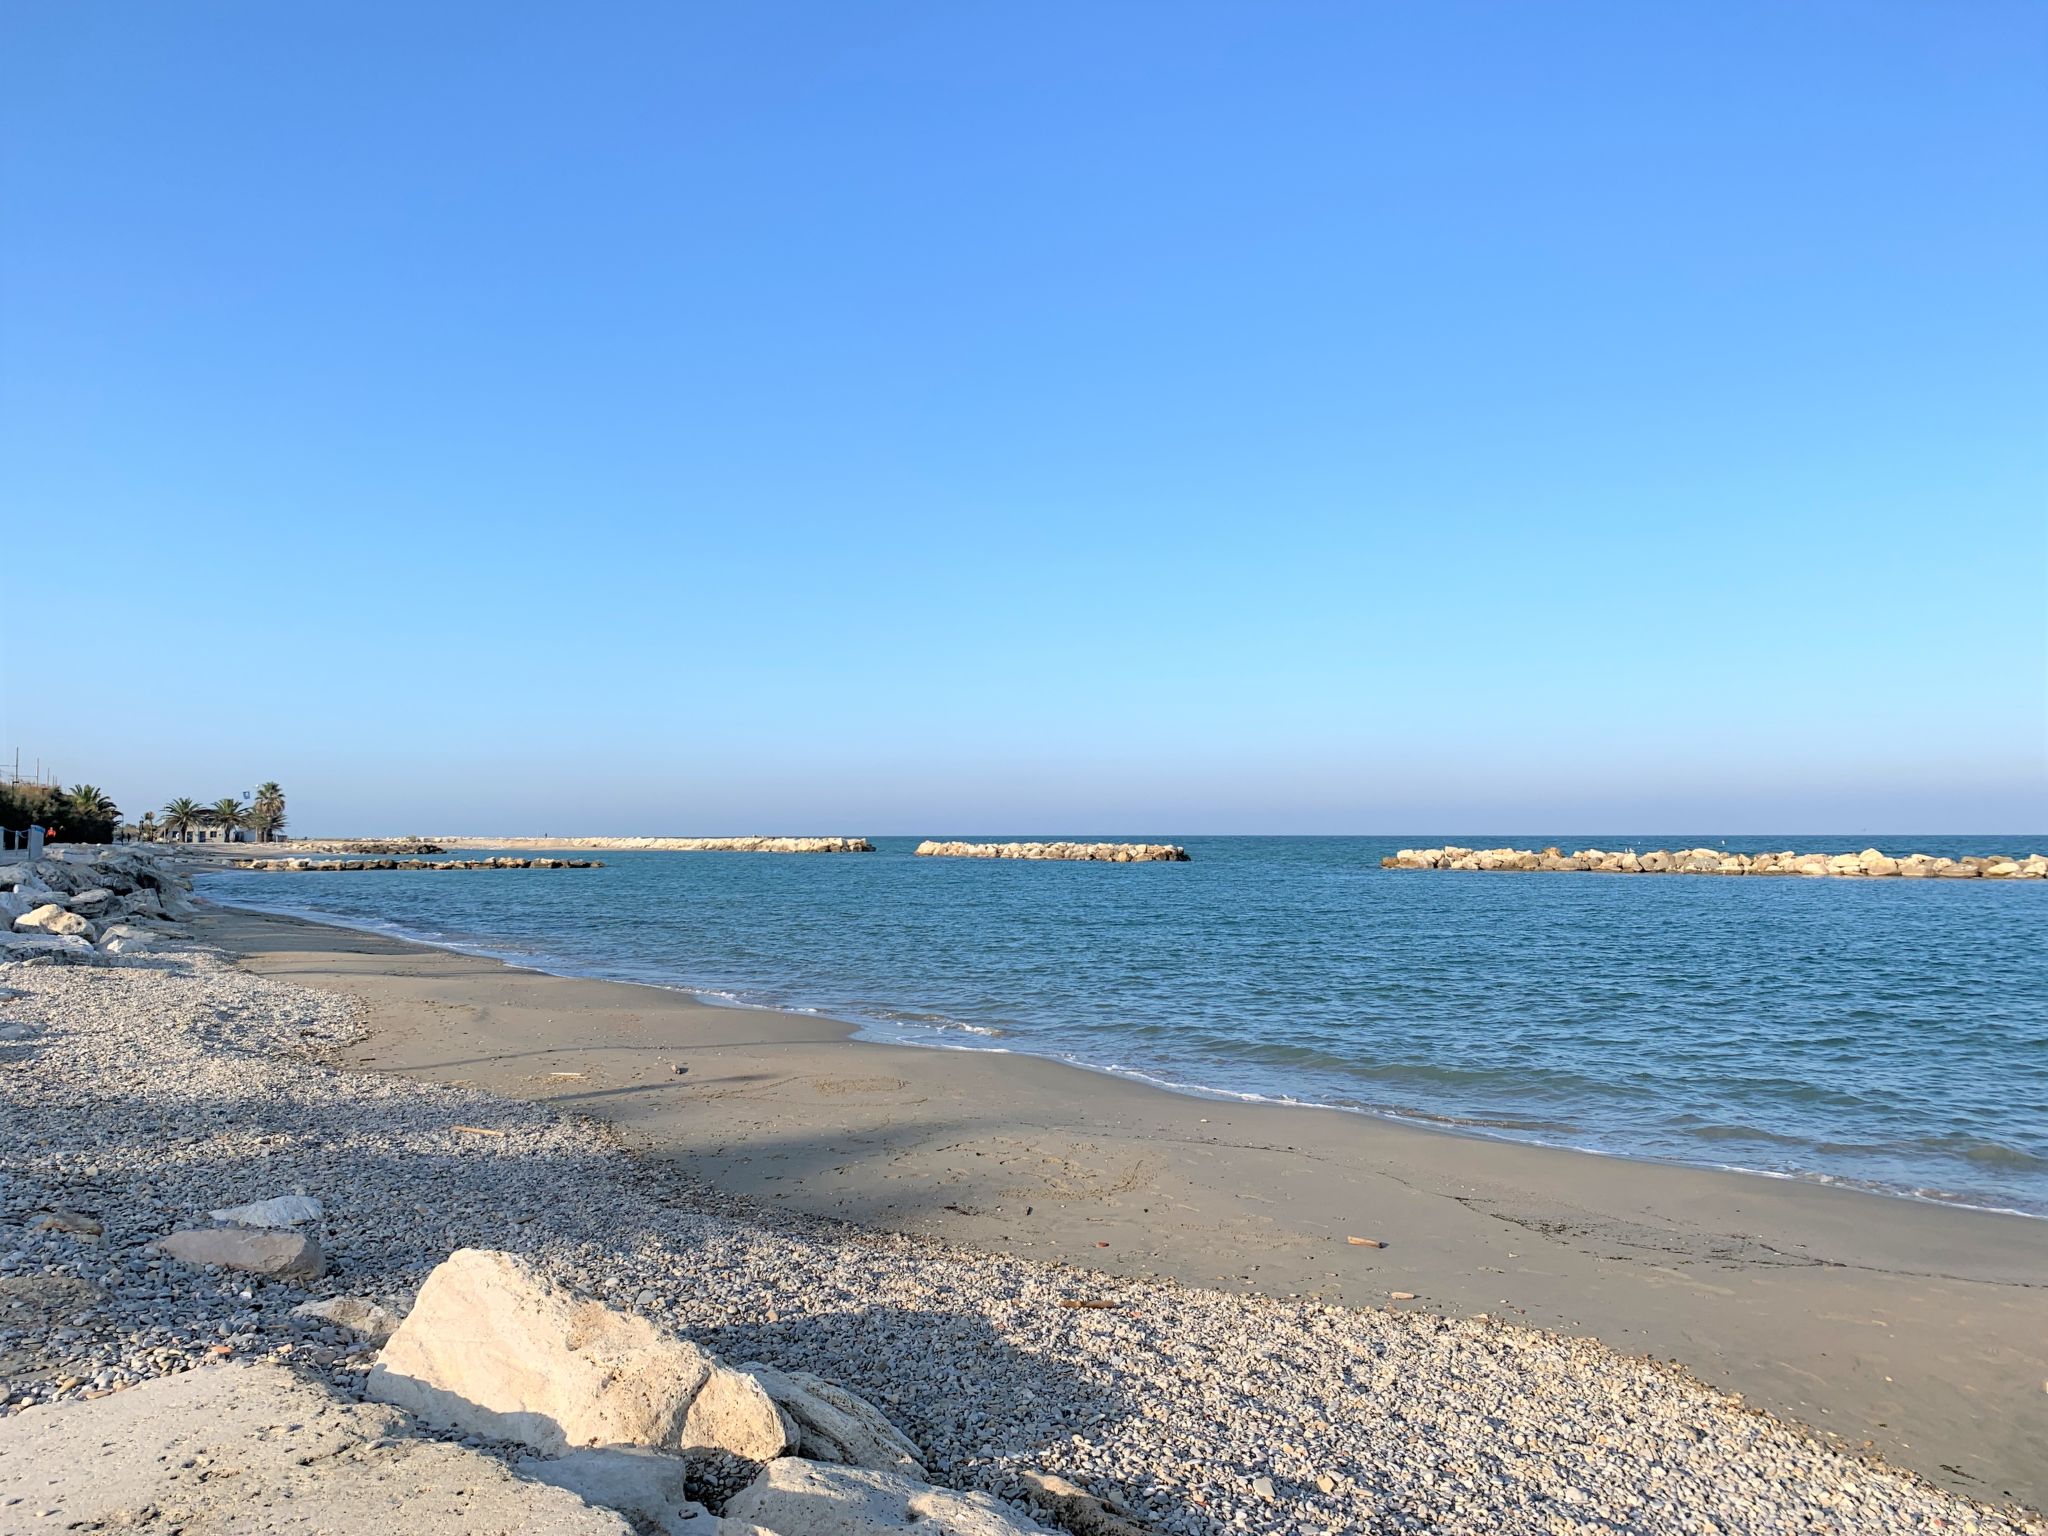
x=406 y=847
x=1097 y=853
x=86 y=904
x=1868 y=864
x=675 y=844
x=353 y=864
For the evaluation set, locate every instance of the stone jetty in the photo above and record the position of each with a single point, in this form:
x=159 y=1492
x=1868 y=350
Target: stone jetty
x=407 y=847
x=333 y=864
x=674 y=844
x=1870 y=863
x=1099 y=853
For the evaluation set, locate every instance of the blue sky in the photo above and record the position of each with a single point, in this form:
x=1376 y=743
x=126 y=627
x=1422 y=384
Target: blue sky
x=949 y=417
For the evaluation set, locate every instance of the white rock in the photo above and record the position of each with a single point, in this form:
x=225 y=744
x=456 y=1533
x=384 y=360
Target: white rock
x=645 y=1486
x=51 y=918
x=248 y=1448
x=132 y=944
x=93 y=901
x=807 y=1497
x=836 y=1425
x=368 y=1318
x=277 y=1255
x=492 y=1347
x=278 y=1211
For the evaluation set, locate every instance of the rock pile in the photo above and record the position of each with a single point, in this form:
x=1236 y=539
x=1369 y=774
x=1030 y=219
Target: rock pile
x=1715 y=861
x=601 y=1410
x=616 y=1407
x=117 y=901
x=410 y=847
x=1100 y=853
x=497 y=863
x=676 y=844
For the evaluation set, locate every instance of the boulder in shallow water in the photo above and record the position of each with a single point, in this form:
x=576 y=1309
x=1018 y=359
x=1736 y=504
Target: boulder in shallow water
x=492 y=1347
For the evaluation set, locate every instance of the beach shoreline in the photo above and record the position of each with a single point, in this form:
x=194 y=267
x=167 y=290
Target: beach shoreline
x=1910 y=1328
x=875 y=1030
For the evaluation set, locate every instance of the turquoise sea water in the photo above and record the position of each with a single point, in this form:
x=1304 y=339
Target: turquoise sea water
x=1888 y=1034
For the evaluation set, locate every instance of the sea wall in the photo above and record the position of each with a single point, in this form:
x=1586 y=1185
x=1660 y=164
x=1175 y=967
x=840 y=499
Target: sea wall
x=674 y=844
x=1101 y=853
x=1870 y=863
x=499 y=863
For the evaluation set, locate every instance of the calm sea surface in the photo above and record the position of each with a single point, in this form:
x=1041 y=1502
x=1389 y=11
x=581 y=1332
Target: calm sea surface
x=1890 y=1034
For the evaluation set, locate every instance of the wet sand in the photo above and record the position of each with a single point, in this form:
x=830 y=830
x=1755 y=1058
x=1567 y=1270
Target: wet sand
x=1914 y=1330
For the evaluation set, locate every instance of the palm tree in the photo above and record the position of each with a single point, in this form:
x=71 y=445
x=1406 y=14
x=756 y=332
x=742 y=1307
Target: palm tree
x=266 y=810
x=146 y=827
x=181 y=816
x=227 y=813
x=88 y=802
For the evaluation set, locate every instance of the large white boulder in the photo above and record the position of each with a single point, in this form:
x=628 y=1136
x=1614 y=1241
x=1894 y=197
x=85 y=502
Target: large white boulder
x=814 y=1499
x=248 y=1448
x=51 y=918
x=492 y=1347
x=274 y=1255
x=836 y=1425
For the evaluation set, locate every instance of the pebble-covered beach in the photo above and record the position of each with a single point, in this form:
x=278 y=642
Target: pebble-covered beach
x=139 y=1093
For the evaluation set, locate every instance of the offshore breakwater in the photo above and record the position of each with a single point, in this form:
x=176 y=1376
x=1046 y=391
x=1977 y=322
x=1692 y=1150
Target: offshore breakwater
x=1091 y=853
x=673 y=844
x=1869 y=864
x=303 y=866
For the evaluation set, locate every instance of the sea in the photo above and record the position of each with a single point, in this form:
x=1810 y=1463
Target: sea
x=1890 y=1035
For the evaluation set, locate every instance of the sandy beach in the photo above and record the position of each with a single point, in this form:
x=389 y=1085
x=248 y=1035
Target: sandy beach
x=1909 y=1329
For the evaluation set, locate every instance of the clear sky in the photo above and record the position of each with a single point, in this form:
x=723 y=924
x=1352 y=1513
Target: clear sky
x=1108 y=417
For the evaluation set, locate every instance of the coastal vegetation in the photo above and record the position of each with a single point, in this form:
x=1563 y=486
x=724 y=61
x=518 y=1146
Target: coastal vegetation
x=263 y=813
x=84 y=813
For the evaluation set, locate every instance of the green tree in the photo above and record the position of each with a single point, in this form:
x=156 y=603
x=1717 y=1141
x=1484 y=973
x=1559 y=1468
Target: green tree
x=88 y=802
x=146 y=827
x=266 y=810
x=181 y=816
x=227 y=813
